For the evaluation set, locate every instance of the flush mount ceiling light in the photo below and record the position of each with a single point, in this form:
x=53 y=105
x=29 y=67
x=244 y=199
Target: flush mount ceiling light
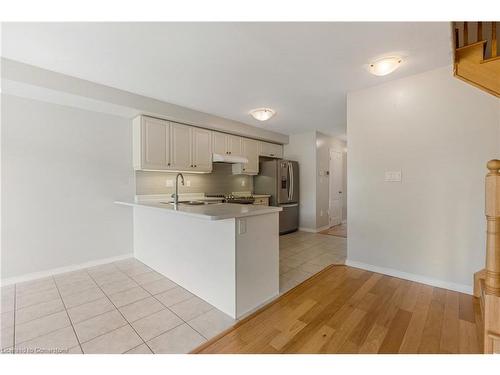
x=385 y=65
x=262 y=114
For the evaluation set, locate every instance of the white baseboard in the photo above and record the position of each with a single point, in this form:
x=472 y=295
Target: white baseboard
x=55 y=271
x=312 y=230
x=467 y=289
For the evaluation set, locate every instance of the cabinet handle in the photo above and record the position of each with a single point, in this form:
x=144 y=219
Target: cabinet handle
x=272 y=154
x=168 y=164
x=195 y=165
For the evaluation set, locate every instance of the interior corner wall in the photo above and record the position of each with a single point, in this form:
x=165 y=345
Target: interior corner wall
x=302 y=148
x=62 y=168
x=440 y=132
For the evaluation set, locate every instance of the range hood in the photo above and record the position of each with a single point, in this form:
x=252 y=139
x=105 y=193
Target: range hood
x=231 y=159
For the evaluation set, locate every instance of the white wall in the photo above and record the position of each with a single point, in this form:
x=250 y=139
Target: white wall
x=440 y=132
x=62 y=168
x=33 y=82
x=302 y=148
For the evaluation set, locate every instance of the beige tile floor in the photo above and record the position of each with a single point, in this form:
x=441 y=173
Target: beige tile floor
x=126 y=307
x=303 y=254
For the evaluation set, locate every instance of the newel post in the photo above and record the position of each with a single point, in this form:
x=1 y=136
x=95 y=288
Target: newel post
x=492 y=210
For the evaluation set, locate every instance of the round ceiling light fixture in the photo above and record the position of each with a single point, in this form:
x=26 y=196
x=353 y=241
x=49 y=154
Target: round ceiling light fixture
x=262 y=114
x=385 y=65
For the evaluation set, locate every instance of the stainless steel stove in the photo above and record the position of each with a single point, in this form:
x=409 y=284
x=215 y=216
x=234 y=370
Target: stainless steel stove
x=230 y=198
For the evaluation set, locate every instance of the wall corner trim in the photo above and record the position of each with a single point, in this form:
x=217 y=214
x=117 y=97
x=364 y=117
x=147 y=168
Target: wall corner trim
x=467 y=289
x=59 y=270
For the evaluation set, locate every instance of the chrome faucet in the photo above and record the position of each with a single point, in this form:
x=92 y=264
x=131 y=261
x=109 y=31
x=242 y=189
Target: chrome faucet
x=176 y=195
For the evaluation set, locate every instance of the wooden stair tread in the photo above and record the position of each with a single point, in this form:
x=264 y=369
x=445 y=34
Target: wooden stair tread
x=468 y=46
x=496 y=58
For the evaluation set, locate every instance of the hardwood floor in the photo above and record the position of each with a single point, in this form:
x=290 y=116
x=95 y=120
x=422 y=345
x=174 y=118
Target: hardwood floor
x=348 y=310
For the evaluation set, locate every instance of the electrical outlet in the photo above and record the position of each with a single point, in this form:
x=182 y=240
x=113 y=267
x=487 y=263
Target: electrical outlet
x=242 y=226
x=169 y=183
x=188 y=183
x=243 y=182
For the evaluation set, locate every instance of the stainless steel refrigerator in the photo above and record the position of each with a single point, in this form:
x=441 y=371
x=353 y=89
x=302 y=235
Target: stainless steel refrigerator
x=280 y=179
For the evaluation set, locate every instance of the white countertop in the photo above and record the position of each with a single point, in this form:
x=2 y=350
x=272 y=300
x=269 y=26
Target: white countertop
x=216 y=211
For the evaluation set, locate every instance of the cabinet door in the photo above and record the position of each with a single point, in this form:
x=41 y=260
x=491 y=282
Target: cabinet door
x=219 y=143
x=181 y=147
x=202 y=149
x=155 y=143
x=271 y=150
x=251 y=152
x=234 y=145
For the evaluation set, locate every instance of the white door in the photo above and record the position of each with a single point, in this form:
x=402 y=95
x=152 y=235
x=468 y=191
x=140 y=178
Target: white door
x=336 y=183
x=234 y=145
x=155 y=143
x=251 y=152
x=181 y=147
x=219 y=143
x=202 y=150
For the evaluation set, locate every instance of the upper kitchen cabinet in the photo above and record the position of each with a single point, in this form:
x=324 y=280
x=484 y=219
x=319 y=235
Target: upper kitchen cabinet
x=250 y=150
x=234 y=145
x=227 y=144
x=182 y=147
x=271 y=150
x=163 y=145
x=151 y=144
x=191 y=148
x=202 y=149
x=219 y=141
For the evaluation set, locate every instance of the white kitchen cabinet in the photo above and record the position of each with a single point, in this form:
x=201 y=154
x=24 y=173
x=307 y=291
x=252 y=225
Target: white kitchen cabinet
x=227 y=144
x=219 y=143
x=151 y=146
x=201 y=149
x=250 y=150
x=271 y=150
x=181 y=147
x=234 y=145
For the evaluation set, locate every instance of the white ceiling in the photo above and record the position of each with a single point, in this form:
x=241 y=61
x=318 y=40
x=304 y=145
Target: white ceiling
x=302 y=70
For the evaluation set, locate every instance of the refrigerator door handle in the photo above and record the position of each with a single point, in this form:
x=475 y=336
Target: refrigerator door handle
x=290 y=182
x=288 y=205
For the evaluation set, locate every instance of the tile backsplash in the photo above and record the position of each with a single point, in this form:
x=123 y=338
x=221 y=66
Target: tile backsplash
x=220 y=181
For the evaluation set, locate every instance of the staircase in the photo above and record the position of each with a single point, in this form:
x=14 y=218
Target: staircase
x=476 y=55
x=487 y=281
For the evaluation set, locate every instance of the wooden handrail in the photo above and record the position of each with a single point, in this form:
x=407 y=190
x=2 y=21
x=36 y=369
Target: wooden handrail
x=492 y=210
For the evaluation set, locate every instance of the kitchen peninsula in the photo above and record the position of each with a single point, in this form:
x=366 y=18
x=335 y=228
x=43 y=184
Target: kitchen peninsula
x=226 y=254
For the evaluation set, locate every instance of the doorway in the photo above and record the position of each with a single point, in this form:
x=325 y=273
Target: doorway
x=337 y=227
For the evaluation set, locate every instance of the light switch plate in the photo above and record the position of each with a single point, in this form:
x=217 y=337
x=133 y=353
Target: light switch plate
x=393 y=176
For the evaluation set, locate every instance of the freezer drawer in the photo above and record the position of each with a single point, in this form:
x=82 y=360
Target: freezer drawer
x=289 y=218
